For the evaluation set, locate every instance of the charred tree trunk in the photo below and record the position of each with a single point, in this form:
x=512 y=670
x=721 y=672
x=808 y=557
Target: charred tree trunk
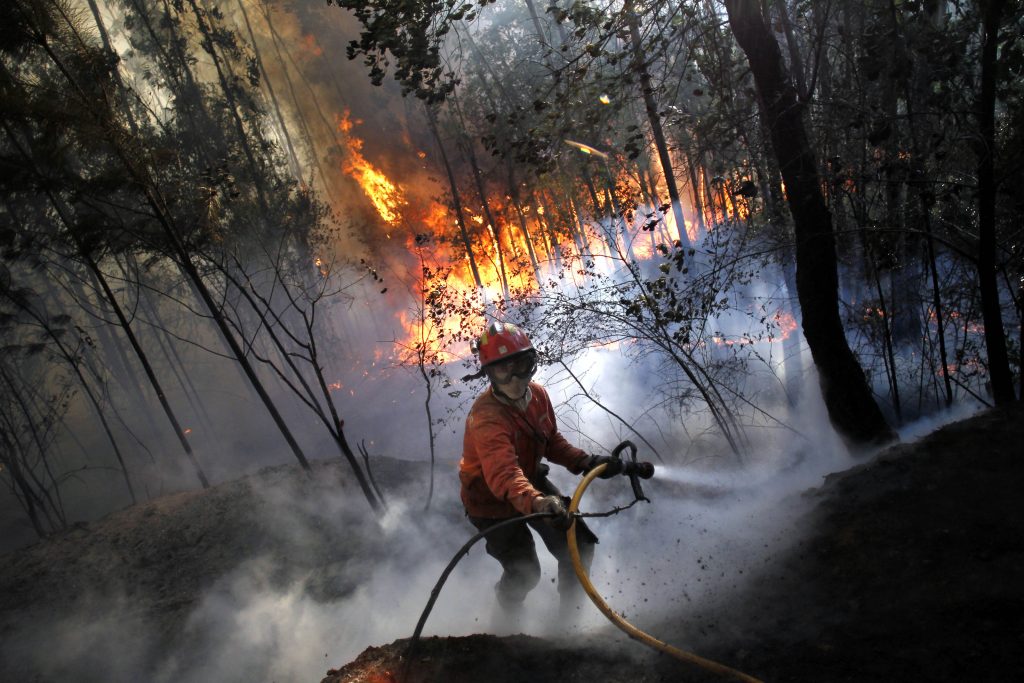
x=991 y=309
x=150 y=373
x=851 y=406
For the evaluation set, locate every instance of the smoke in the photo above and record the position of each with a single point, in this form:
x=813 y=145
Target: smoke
x=316 y=581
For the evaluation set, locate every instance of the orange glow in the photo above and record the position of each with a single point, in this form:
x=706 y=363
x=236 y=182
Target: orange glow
x=309 y=45
x=515 y=241
x=787 y=325
x=321 y=266
x=386 y=197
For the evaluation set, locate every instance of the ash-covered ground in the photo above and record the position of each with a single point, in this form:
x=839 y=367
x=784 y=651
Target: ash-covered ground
x=907 y=566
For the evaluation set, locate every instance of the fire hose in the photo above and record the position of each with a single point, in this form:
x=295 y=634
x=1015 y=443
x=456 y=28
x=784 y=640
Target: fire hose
x=635 y=471
x=631 y=630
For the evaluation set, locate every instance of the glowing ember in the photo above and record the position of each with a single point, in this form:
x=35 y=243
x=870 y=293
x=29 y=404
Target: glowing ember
x=787 y=325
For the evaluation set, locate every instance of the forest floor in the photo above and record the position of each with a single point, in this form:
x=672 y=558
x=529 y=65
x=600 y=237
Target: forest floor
x=912 y=570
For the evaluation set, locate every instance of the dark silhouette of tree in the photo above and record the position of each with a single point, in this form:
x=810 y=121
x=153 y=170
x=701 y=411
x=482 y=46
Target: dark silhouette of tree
x=848 y=398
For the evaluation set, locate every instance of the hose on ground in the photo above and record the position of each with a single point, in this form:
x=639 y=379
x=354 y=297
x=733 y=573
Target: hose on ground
x=581 y=574
x=631 y=630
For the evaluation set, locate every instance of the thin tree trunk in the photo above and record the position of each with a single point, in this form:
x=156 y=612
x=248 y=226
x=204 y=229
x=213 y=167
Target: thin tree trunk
x=456 y=202
x=991 y=308
x=210 y=46
x=467 y=147
x=335 y=425
x=517 y=203
x=299 y=109
x=148 y=369
x=54 y=502
x=654 y=120
x=105 y=40
x=268 y=84
x=28 y=498
x=72 y=361
x=112 y=300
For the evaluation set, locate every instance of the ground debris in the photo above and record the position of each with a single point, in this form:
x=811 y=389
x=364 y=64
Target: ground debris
x=486 y=658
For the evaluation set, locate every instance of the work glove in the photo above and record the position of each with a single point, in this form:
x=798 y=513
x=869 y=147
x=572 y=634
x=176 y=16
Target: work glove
x=614 y=465
x=561 y=519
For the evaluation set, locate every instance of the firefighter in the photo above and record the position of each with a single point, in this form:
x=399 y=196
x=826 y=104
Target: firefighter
x=509 y=431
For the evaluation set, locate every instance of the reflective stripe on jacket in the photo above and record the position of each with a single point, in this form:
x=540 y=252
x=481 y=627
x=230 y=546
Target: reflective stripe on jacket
x=502 y=449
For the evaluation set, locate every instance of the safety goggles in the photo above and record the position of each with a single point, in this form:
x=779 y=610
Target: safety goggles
x=522 y=367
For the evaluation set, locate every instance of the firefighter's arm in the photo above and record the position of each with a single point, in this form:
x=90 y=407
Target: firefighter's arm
x=493 y=440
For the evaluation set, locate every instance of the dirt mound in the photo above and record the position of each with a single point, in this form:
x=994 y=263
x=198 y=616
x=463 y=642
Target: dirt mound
x=472 y=659
x=916 y=569
x=127 y=585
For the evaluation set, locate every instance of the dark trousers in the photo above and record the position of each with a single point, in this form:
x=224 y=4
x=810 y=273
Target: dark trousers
x=514 y=548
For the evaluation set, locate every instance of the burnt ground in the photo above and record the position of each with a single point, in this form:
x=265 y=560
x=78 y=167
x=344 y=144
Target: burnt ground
x=914 y=572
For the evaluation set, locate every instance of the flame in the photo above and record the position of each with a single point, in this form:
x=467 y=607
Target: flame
x=309 y=45
x=511 y=244
x=386 y=197
x=786 y=323
x=325 y=271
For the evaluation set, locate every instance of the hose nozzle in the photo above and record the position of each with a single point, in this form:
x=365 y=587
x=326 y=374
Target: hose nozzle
x=633 y=469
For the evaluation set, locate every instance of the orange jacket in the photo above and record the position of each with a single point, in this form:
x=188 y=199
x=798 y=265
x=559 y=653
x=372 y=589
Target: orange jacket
x=502 y=449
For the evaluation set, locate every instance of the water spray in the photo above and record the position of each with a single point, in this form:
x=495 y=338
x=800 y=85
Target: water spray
x=635 y=471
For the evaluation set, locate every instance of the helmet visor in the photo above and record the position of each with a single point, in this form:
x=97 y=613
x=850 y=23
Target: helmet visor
x=523 y=366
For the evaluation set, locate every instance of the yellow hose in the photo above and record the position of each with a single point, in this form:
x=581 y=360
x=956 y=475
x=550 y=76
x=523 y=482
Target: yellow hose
x=632 y=631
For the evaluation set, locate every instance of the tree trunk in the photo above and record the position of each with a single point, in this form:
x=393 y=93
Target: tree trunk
x=210 y=46
x=517 y=203
x=654 y=119
x=150 y=373
x=991 y=310
x=851 y=407
x=456 y=202
x=292 y=156
x=485 y=205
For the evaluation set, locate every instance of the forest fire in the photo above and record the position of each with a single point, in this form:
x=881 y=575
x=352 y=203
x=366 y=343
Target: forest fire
x=386 y=197
x=609 y=176
x=500 y=247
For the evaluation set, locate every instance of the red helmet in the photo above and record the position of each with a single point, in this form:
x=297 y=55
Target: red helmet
x=500 y=341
